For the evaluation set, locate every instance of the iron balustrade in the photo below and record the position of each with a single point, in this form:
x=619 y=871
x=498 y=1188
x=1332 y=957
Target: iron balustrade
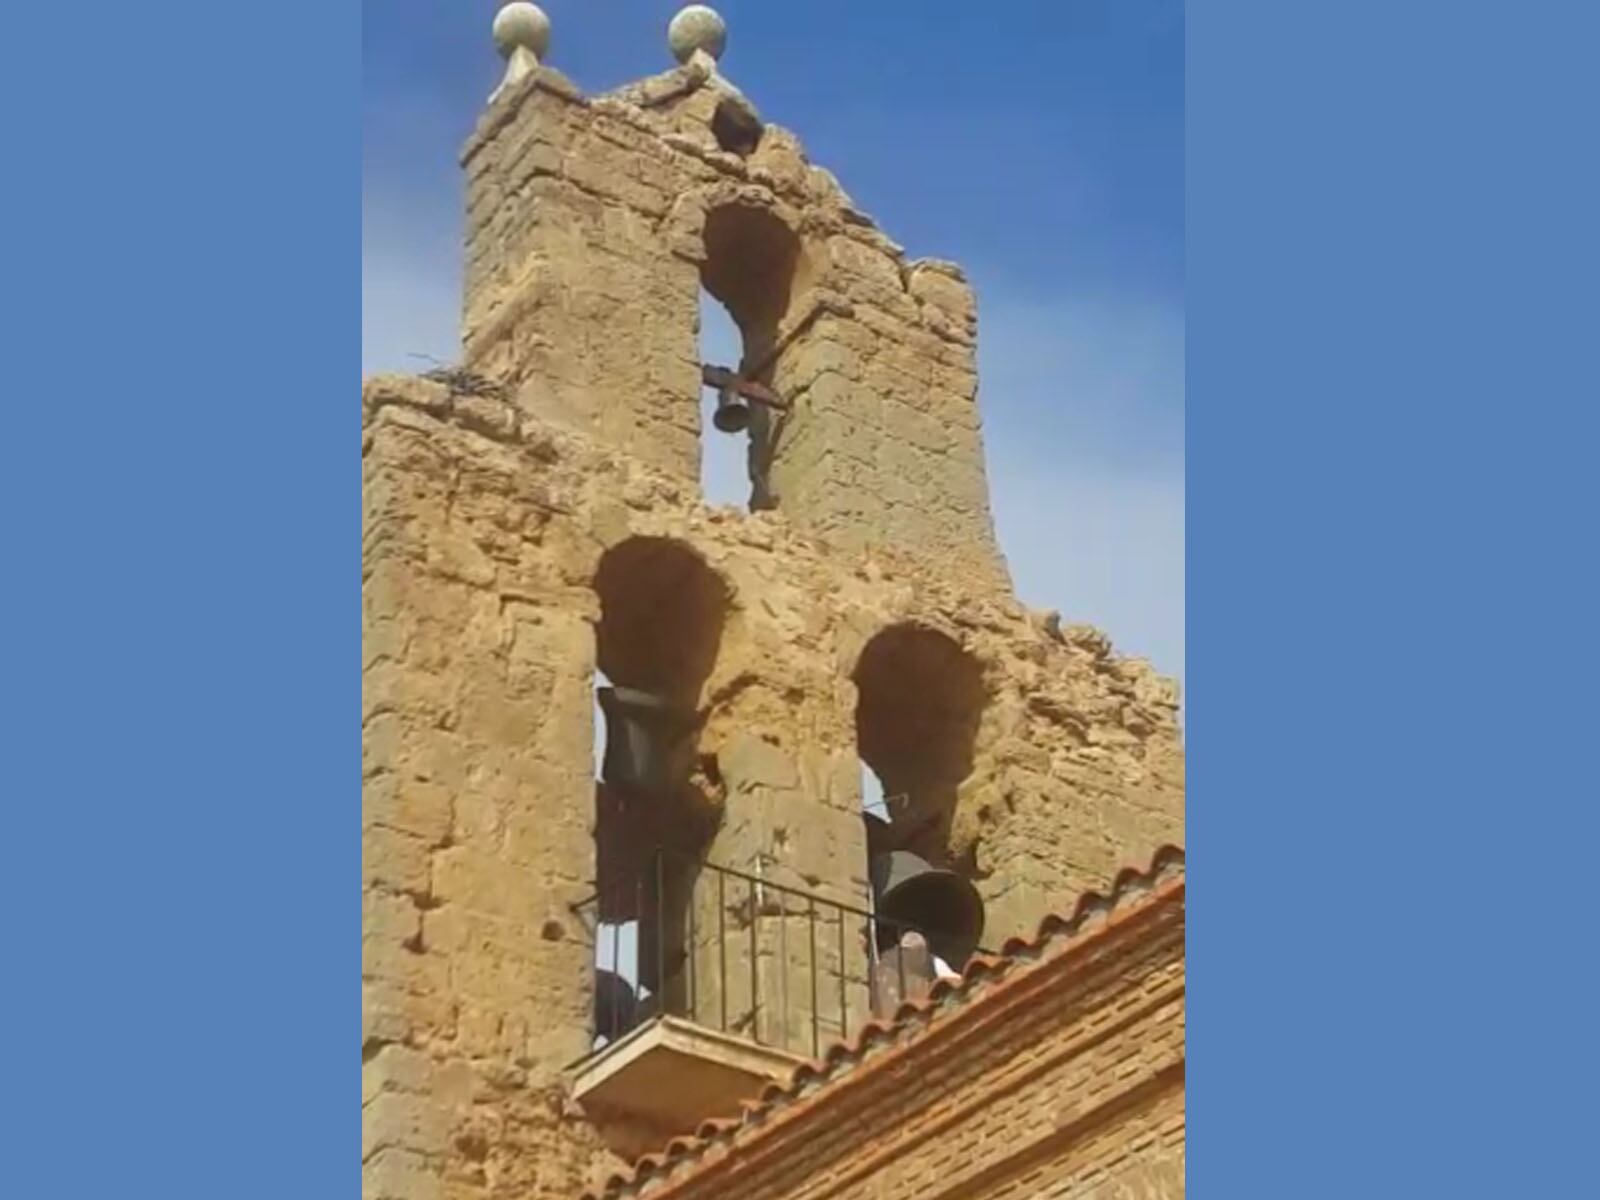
x=739 y=953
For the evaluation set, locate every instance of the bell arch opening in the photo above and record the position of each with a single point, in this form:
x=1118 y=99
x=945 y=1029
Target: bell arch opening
x=724 y=465
x=919 y=700
x=754 y=266
x=662 y=611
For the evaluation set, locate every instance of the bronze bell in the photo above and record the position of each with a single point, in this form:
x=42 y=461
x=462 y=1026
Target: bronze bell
x=942 y=905
x=733 y=412
x=616 y=1004
x=649 y=747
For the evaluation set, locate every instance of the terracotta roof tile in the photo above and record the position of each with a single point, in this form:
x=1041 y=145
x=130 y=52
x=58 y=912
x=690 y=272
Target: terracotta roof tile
x=1128 y=890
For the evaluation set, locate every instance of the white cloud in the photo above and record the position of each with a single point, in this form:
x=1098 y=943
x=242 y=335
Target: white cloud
x=1083 y=413
x=410 y=286
x=1100 y=547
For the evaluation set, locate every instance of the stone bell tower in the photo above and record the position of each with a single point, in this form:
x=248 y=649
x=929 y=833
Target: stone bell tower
x=560 y=969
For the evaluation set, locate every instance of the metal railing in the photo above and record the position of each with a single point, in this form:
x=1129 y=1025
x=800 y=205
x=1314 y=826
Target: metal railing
x=739 y=953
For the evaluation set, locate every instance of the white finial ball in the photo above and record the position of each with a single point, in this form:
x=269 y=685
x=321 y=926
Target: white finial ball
x=521 y=24
x=697 y=28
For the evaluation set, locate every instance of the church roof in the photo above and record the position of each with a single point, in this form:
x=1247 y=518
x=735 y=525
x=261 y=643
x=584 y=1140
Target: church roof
x=1134 y=893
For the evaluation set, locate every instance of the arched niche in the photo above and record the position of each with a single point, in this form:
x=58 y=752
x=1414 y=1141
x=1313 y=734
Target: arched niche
x=753 y=266
x=919 y=701
x=662 y=612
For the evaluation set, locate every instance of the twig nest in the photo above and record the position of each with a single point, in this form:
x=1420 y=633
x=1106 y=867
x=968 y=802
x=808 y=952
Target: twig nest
x=697 y=27
x=520 y=25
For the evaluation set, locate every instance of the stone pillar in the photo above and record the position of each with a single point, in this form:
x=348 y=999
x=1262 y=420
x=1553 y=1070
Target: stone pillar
x=785 y=826
x=884 y=447
x=572 y=298
x=477 y=799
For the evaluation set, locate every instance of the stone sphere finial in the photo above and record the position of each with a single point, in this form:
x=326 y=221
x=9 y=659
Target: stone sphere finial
x=521 y=26
x=697 y=27
x=522 y=35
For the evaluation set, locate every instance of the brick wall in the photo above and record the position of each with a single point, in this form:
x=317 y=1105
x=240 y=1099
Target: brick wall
x=1065 y=1079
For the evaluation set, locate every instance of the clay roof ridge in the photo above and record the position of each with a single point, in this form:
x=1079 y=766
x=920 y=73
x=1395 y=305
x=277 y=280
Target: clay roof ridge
x=1131 y=886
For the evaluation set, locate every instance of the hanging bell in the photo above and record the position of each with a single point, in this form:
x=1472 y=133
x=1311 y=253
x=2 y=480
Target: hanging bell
x=942 y=905
x=616 y=1004
x=733 y=412
x=649 y=742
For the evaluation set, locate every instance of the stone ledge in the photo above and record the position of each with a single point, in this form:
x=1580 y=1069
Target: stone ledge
x=504 y=108
x=672 y=1075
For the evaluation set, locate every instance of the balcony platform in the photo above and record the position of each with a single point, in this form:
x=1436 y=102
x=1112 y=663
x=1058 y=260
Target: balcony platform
x=669 y=1075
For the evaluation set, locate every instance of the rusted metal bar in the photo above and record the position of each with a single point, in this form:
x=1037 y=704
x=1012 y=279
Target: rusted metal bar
x=693 y=953
x=721 y=378
x=722 y=943
x=661 y=935
x=783 y=973
x=823 y=305
x=768 y=885
x=755 y=986
x=816 y=1029
x=844 y=1017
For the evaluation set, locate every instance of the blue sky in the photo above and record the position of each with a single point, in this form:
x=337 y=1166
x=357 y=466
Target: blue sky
x=1040 y=145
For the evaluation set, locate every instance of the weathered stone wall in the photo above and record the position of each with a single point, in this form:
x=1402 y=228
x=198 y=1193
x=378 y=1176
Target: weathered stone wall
x=593 y=225
x=484 y=531
x=476 y=831
x=587 y=244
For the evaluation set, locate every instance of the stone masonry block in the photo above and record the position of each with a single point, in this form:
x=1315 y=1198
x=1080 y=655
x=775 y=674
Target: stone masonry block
x=395 y=860
x=404 y=1121
x=396 y=1068
x=396 y=1173
x=418 y=807
x=389 y=916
